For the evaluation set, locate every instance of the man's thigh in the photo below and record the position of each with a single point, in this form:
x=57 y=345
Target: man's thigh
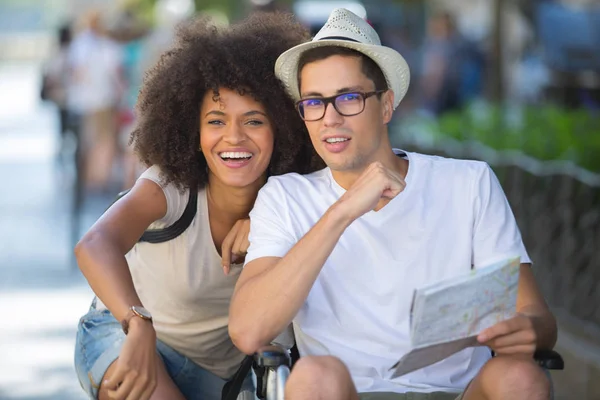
x=409 y=396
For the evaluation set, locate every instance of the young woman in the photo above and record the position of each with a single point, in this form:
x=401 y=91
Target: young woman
x=213 y=119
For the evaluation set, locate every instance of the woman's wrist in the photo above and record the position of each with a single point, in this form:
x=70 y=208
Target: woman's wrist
x=140 y=325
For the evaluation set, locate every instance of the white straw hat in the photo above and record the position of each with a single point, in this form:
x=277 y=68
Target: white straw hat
x=345 y=29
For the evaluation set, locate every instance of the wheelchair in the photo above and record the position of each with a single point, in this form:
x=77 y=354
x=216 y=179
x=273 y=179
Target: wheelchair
x=272 y=365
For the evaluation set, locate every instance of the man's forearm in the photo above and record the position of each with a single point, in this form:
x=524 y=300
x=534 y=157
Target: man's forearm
x=544 y=325
x=263 y=306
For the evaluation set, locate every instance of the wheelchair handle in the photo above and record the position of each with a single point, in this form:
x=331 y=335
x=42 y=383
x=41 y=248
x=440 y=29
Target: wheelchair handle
x=272 y=357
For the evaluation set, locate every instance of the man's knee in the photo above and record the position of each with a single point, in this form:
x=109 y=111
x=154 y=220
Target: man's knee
x=515 y=374
x=320 y=377
x=319 y=369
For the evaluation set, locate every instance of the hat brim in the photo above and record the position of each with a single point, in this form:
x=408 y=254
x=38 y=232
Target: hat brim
x=392 y=64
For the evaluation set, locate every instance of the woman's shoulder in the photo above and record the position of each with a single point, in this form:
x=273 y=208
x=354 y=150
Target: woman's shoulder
x=177 y=199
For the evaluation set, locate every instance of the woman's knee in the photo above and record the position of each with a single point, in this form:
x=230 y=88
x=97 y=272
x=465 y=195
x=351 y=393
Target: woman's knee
x=102 y=390
x=165 y=388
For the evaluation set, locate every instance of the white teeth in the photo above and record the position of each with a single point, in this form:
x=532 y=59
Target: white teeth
x=336 y=139
x=235 y=154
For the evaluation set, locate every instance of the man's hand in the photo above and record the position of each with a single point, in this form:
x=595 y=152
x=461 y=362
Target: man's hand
x=516 y=335
x=375 y=183
x=235 y=245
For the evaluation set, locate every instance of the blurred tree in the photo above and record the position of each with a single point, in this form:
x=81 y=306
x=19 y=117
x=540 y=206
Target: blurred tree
x=497 y=70
x=228 y=7
x=142 y=9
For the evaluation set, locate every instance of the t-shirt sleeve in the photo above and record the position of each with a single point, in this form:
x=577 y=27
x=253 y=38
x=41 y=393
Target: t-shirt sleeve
x=176 y=200
x=270 y=228
x=496 y=234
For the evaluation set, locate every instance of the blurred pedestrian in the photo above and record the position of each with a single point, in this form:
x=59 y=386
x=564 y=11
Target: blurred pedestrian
x=452 y=67
x=96 y=87
x=55 y=81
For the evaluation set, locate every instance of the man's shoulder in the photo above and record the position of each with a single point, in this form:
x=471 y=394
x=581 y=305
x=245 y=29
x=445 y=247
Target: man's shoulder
x=444 y=162
x=447 y=167
x=282 y=190
x=294 y=180
x=292 y=193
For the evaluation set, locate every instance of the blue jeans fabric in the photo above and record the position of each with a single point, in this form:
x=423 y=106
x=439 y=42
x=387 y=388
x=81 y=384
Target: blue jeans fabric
x=98 y=344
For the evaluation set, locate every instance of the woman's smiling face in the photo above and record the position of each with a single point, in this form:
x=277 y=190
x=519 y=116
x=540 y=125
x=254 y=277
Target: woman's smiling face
x=236 y=137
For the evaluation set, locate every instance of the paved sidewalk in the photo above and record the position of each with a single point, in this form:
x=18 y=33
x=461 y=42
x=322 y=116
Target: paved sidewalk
x=42 y=295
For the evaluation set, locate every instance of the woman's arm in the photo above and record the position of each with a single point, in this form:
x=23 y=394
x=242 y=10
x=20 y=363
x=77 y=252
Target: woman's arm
x=101 y=252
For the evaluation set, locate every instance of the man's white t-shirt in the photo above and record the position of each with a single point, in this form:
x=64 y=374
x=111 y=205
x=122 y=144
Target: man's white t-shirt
x=451 y=216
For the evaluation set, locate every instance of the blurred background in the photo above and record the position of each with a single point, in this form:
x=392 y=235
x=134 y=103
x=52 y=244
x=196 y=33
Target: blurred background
x=515 y=83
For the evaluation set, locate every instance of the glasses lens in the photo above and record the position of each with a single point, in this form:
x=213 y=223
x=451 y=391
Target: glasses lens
x=349 y=103
x=311 y=109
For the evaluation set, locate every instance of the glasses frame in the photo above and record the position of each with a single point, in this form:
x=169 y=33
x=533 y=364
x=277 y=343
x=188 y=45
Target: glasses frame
x=331 y=100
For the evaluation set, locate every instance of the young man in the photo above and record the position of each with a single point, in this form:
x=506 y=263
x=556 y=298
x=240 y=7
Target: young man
x=340 y=251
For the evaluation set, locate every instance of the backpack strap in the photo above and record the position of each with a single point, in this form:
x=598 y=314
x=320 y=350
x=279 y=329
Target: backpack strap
x=232 y=388
x=172 y=231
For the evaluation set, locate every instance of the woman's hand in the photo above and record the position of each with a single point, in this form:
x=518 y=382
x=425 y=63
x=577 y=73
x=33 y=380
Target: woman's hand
x=135 y=376
x=235 y=245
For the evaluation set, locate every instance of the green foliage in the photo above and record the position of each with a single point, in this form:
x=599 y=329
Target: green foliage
x=228 y=7
x=544 y=132
x=143 y=9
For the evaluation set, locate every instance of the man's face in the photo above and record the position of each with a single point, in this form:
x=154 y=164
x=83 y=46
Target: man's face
x=346 y=143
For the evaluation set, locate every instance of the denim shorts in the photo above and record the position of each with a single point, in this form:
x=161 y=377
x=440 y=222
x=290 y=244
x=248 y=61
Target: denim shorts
x=99 y=341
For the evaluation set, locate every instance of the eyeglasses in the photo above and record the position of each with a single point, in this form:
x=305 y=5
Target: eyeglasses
x=346 y=104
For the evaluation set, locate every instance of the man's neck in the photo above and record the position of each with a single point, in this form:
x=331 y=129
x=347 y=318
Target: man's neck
x=229 y=204
x=390 y=160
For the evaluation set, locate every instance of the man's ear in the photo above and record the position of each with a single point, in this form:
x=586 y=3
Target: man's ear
x=387 y=101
